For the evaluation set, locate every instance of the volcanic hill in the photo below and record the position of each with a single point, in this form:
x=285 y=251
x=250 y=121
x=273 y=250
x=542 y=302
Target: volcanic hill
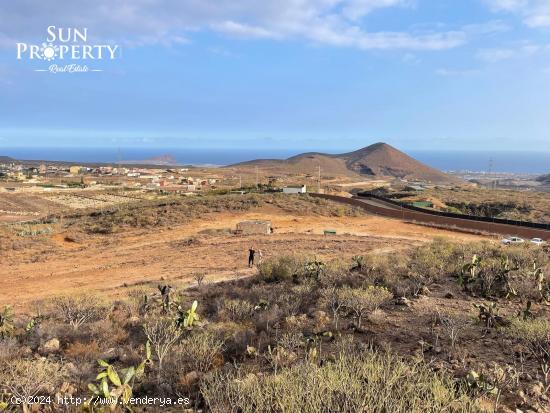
x=377 y=160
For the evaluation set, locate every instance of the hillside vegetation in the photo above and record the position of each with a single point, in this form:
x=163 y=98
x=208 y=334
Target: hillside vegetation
x=521 y=206
x=439 y=327
x=178 y=210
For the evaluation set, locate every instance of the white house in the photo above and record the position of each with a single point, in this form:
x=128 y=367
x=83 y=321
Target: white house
x=294 y=189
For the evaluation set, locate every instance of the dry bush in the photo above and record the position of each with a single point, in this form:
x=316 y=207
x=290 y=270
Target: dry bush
x=390 y=271
x=337 y=273
x=199 y=278
x=269 y=318
x=237 y=310
x=431 y=262
x=163 y=334
x=26 y=378
x=534 y=335
x=290 y=303
x=198 y=352
x=106 y=332
x=83 y=352
x=236 y=338
x=281 y=268
x=279 y=357
x=292 y=340
x=361 y=302
x=138 y=301
x=83 y=355
x=9 y=349
x=81 y=309
x=452 y=326
x=333 y=299
x=367 y=381
x=313 y=206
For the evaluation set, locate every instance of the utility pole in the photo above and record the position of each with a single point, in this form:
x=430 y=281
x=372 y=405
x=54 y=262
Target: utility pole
x=256 y=176
x=240 y=182
x=319 y=180
x=490 y=172
x=492 y=180
x=119 y=161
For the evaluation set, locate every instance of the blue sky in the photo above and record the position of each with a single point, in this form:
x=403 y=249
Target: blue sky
x=307 y=74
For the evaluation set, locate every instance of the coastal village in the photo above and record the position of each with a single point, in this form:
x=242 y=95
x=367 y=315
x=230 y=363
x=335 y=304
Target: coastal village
x=48 y=176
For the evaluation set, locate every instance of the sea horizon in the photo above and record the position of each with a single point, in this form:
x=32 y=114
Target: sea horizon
x=517 y=162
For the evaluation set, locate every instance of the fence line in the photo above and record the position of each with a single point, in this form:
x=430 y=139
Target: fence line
x=461 y=222
x=460 y=216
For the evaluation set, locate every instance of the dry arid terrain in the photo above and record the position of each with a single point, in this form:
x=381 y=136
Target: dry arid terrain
x=80 y=253
x=380 y=316
x=508 y=204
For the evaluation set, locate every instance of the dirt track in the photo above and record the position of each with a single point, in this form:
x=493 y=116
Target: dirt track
x=107 y=263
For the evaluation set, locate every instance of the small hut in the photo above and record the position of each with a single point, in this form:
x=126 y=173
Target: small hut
x=254 y=227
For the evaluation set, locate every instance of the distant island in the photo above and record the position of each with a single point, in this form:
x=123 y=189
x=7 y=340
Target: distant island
x=157 y=160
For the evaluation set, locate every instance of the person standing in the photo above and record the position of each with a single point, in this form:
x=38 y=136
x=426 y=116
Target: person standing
x=251 y=253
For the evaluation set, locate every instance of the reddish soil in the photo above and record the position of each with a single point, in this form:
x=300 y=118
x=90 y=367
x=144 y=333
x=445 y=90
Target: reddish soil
x=61 y=263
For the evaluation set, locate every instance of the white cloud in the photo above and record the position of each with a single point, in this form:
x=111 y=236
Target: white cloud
x=499 y=54
x=456 y=72
x=535 y=13
x=243 y=30
x=495 y=55
x=135 y=22
x=355 y=9
x=411 y=58
x=539 y=20
x=508 y=5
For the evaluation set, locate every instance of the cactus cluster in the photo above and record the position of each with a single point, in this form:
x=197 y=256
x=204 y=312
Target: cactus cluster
x=187 y=318
x=115 y=388
x=6 y=322
x=315 y=268
x=469 y=271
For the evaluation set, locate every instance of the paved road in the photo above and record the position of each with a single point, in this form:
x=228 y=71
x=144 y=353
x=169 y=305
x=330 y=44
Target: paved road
x=376 y=202
x=387 y=209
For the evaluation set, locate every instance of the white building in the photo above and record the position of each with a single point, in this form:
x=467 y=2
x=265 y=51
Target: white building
x=294 y=189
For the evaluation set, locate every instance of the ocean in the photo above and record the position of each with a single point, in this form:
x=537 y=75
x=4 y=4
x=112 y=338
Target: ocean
x=501 y=161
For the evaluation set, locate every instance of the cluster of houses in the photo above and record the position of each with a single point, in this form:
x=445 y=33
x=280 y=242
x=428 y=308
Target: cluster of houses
x=163 y=180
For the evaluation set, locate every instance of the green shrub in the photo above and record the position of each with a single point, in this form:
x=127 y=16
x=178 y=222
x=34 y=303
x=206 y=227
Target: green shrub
x=431 y=262
x=366 y=382
x=281 y=268
x=492 y=270
x=361 y=302
x=6 y=322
